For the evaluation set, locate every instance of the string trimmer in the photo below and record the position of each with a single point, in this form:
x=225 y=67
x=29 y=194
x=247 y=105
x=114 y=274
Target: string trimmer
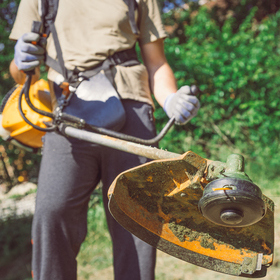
x=205 y=212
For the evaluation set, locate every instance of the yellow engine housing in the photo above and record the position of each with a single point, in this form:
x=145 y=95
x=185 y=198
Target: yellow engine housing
x=13 y=122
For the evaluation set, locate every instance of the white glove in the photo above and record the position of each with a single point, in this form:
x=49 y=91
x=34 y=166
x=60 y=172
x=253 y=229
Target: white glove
x=183 y=104
x=27 y=54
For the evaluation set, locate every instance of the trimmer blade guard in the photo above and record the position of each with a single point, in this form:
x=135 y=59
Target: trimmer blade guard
x=158 y=202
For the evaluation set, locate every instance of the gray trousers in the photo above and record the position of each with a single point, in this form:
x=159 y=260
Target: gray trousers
x=70 y=171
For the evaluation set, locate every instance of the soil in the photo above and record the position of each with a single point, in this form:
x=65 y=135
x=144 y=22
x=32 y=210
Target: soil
x=168 y=267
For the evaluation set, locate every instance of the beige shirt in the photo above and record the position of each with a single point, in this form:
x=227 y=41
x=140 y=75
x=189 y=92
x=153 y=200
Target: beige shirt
x=90 y=30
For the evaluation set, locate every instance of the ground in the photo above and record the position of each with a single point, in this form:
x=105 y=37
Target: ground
x=168 y=267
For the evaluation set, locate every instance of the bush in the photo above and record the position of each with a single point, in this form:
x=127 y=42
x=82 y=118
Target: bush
x=15 y=248
x=239 y=77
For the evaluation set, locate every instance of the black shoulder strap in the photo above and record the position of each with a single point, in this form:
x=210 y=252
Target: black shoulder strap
x=48 y=10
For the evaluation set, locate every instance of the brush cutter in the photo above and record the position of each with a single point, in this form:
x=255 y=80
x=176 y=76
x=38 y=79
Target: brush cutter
x=204 y=212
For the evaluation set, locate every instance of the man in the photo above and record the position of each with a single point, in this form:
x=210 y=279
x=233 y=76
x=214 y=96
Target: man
x=89 y=32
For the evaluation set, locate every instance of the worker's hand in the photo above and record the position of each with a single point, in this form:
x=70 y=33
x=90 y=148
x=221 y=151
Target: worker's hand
x=27 y=53
x=183 y=104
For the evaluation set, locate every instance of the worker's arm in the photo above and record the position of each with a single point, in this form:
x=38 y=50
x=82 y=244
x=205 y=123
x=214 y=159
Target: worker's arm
x=27 y=57
x=179 y=103
x=161 y=77
x=19 y=76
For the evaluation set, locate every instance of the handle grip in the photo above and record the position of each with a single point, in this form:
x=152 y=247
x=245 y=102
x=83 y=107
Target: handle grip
x=36 y=28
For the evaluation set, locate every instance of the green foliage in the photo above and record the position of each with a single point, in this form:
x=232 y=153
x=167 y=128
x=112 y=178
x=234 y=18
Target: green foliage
x=7 y=15
x=238 y=74
x=15 y=248
x=179 y=13
x=240 y=9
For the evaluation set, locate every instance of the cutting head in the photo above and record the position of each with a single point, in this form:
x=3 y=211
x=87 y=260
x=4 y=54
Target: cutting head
x=158 y=202
x=232 y=202
x=231 y=198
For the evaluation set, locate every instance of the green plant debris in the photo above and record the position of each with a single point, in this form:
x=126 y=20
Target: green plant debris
x=208 y=235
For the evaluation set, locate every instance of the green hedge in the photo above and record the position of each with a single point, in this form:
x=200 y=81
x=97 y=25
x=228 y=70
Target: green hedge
x=239 y=77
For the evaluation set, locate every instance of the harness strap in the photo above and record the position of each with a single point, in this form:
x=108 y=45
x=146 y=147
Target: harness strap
x=125 y=58
x=60 y=62
x=48 y=11
x=132 y=5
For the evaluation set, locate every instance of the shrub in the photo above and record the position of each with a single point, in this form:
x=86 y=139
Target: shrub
x=239 y=77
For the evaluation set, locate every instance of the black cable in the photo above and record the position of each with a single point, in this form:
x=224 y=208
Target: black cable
x=129 y=138
x=26 y=88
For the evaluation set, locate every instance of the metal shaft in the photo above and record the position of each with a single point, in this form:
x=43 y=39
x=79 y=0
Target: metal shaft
x=125 y=146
